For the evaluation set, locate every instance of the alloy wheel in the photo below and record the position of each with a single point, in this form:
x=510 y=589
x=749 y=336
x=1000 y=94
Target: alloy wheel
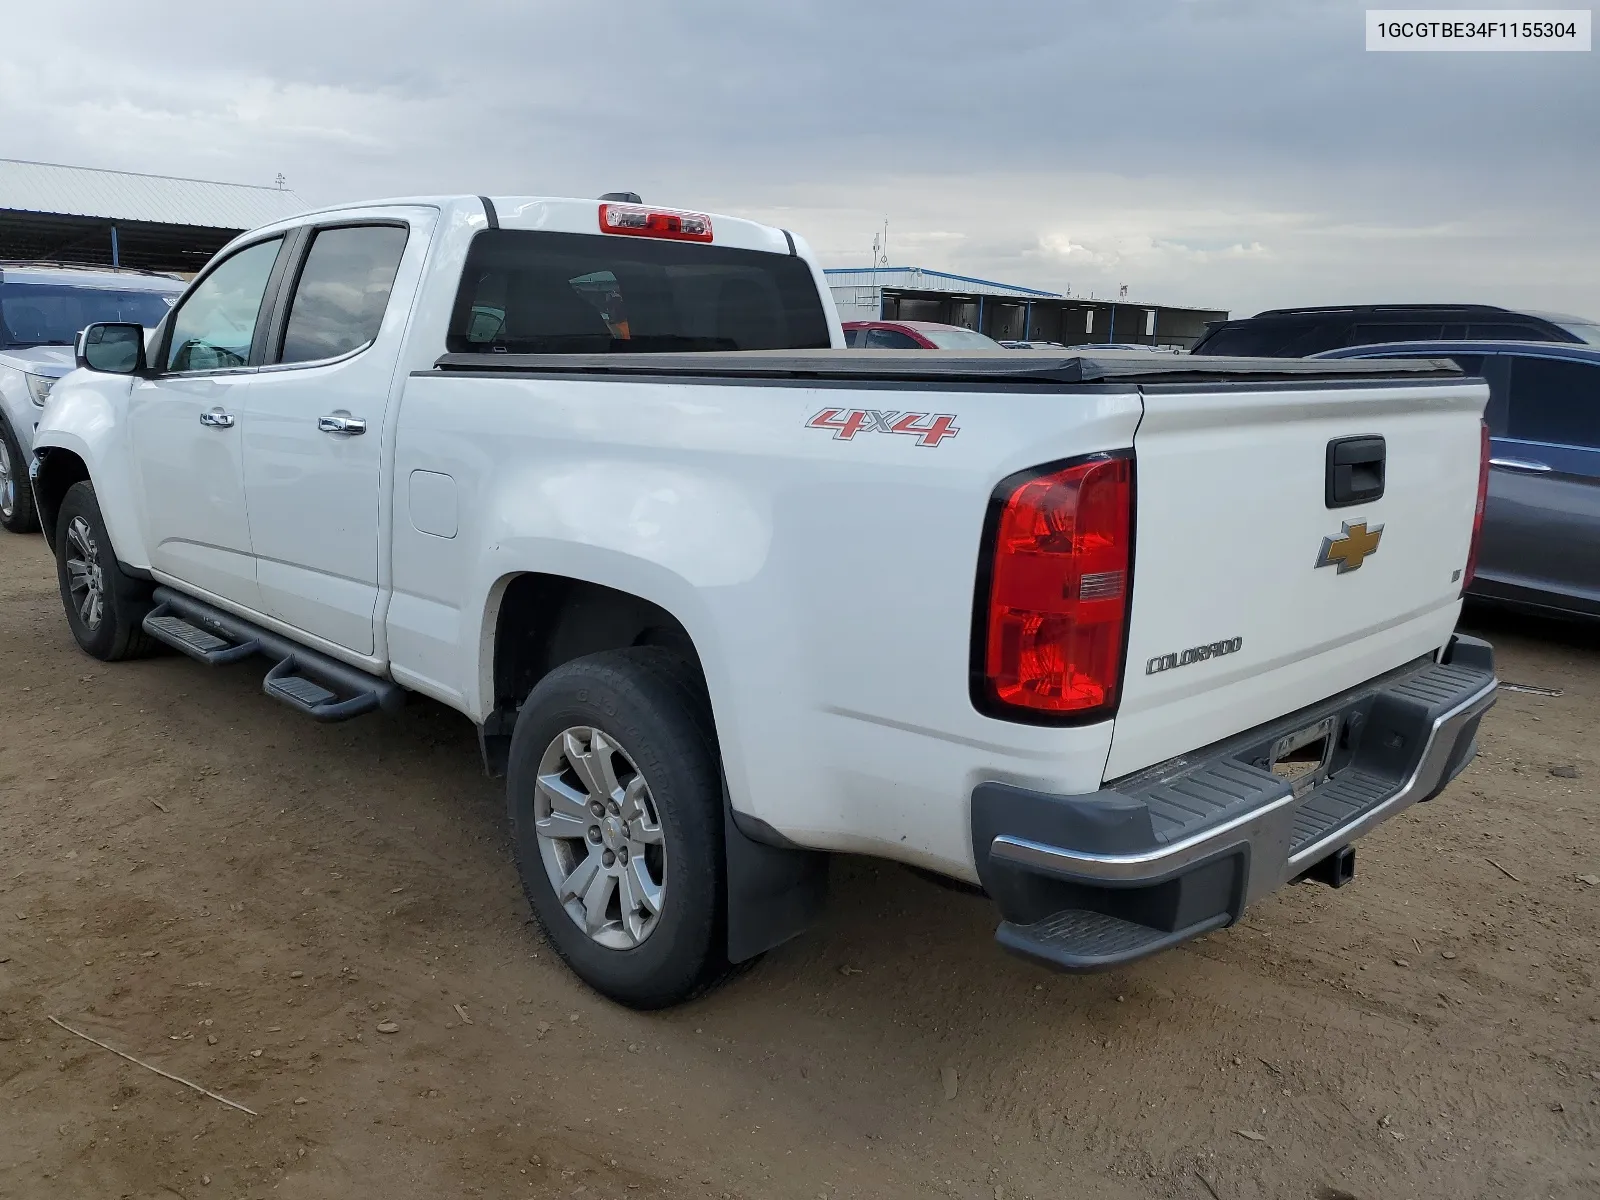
x=600 y=837
x=85 y=577
x=8 y=482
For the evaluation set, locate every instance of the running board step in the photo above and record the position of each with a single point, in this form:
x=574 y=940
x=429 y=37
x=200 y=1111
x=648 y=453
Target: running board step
x=290 y=682
x=307 y=680
x=170 y=629
x=1079 y=940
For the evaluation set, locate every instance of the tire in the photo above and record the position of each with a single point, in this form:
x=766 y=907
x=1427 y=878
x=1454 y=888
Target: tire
x=16 y=493
x=86 y=564
x=649 y=709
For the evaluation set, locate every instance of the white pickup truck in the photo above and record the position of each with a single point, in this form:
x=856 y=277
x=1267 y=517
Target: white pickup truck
x=1126 y=640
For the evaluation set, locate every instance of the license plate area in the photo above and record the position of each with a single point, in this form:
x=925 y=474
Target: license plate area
x=1301 y=758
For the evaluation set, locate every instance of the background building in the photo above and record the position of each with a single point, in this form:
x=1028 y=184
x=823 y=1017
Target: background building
x=1006 y=311
x=84 y=215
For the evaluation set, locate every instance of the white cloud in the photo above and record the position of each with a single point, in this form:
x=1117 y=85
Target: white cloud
x=1231 y=153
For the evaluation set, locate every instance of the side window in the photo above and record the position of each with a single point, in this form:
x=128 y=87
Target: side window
x=852 y=337
x=1509 y=333
x=342 y=292
x=1315 y=338
x=1554 y=400
x=1368 y=335
x=890 y=339
x=216 y=324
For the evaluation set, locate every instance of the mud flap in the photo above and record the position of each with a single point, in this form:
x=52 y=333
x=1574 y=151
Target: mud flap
x=774 y=891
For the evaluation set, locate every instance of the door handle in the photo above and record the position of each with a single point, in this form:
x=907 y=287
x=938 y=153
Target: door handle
x=217 y=419
x=1520 y=464
x=342 y=423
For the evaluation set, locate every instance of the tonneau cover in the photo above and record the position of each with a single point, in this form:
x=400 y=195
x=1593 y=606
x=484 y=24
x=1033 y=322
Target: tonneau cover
x=972 y=367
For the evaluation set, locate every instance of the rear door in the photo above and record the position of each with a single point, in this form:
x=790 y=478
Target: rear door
x=1541 y=529
x=313 y=444
x=1260 y=585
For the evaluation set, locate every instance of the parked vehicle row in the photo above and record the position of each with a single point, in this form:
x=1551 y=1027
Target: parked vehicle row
x=717 y=614
x=42 y=308
x=930 y=335
x=1299 y=332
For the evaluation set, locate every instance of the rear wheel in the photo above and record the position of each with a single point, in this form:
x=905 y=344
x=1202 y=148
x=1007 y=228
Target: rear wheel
x=615 y=793
x=16 y=496
x=105 y=606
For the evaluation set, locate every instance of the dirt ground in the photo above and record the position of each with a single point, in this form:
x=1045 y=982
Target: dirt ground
x=198 y=877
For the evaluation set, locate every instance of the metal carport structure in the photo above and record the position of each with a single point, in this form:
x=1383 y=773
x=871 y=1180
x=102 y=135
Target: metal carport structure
x=93 y=217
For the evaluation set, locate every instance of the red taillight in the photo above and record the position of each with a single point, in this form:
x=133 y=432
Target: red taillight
x=1477 y=515
x=639 y=221
x=1055 y=622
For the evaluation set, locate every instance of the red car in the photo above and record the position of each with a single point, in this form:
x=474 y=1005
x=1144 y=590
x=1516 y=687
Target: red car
x=914 y=335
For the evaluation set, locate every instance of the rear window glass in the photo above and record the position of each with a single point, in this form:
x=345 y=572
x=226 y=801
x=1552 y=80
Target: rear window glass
x=961 y=339
x=1271 y=339
x=1585 y=331
x=532 y=292
x=1246 y=341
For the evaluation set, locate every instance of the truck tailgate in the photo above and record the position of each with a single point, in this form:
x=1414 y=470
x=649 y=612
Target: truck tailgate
x=1233 y=621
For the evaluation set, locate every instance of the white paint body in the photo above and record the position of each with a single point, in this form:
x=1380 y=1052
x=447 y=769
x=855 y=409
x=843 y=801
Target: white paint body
x=828 y=585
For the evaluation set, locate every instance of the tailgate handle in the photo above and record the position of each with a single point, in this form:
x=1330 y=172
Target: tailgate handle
x=1355 y=471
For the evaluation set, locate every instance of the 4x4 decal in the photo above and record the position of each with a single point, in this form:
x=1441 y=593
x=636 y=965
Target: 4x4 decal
x=928 y=428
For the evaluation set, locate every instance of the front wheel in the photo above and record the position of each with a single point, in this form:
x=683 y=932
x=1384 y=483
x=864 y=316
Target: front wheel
x=16 y=497
x=105 y=606
x=615 y=793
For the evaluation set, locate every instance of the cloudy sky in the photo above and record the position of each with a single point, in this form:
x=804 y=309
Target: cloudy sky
x=1237 y=154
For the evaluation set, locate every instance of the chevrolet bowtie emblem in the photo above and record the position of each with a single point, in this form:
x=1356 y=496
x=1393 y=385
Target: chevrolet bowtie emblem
x=1351 y=548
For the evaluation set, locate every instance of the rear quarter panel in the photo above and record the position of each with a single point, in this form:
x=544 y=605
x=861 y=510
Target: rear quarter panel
x=827 y=583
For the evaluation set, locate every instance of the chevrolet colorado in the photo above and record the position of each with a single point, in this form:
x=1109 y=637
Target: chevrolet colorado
x=1126 y=640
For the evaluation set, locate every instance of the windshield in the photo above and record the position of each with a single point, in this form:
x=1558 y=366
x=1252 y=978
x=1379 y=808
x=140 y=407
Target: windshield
x=51 y=315
x=1585 y=331
x=959 y=339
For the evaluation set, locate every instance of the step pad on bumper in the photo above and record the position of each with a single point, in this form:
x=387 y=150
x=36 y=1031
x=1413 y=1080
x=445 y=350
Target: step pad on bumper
x=1184 y=846
x=1079 y=940
x=1336 y=803
x=1212 y=785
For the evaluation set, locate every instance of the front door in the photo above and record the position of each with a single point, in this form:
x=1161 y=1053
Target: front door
x=313 y=445
x=1541 y=528
x=186 y=425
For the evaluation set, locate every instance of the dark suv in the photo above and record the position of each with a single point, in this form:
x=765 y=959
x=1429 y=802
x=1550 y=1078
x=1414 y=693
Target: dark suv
x=1298 y=332
x=1541 y=529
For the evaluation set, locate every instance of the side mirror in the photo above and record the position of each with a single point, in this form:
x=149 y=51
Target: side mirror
x=115 y=347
